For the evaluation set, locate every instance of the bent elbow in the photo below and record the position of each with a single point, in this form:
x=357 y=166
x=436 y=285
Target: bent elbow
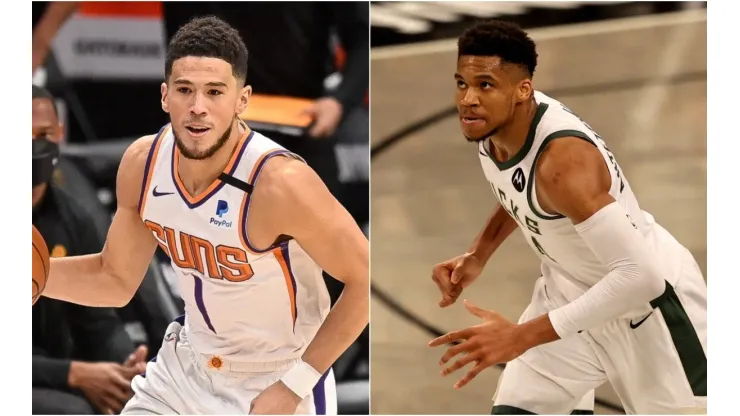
x=123 y=291
x=641 y=281
x=122 y=301
x=652 y=283
x=656 y=286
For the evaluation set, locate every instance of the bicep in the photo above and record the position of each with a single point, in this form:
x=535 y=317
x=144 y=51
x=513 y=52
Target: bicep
x=322 y=226
x=573 y=179
x=130 y=245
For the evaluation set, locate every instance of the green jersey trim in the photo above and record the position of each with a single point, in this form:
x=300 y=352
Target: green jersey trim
x=530 y=187
x=522 y=153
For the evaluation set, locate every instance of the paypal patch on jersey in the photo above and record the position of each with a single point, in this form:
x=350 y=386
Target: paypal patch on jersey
x=222 y=208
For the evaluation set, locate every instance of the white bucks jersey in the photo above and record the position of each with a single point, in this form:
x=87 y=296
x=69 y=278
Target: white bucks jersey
x=566 y=260
x=244 y=303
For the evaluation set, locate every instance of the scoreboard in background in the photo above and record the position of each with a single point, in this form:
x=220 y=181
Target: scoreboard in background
x=113 y=40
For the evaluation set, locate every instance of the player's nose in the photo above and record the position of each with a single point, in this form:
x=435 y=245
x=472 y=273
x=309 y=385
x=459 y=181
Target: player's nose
x=469 y=99
x=198 y=105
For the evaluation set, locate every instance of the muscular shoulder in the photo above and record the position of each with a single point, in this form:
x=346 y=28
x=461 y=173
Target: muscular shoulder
x=131 y=171
x=572 y=177
x=288 y=180
x=566 y=157
x=296 y=202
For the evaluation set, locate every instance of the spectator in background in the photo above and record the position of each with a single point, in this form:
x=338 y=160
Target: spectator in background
x=291 y=54
x=48 y=18
x=77 y=351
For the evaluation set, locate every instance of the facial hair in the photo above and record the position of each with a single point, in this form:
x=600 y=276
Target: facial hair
x=490 y=133
x=204 y=154
x=494 y=131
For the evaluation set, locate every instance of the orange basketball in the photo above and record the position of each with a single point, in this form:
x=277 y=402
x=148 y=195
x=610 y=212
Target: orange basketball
x=40 y=264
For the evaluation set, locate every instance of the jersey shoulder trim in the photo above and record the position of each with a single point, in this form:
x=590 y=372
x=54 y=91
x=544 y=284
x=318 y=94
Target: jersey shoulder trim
x=532 y=172
x=149 y=166
x=244 y=210
x=524 y=151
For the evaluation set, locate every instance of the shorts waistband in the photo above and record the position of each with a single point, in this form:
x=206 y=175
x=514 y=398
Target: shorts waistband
x=219 y=364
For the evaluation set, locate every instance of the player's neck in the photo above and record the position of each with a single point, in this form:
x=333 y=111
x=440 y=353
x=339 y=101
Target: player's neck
x=198 y=175
x=511 y=138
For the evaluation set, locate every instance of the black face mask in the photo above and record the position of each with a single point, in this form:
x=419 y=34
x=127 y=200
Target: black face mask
x=45 y=157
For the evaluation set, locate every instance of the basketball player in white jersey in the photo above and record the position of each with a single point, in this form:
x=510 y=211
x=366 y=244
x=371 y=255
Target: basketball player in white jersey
x=619 y=298
x=249 y=228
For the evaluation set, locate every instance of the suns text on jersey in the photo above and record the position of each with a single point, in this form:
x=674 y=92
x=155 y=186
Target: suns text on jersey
x=190 y=252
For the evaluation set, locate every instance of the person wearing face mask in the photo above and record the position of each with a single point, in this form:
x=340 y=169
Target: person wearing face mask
x=83 y=360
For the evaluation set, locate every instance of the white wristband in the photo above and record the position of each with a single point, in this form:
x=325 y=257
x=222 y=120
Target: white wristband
x=301 y=379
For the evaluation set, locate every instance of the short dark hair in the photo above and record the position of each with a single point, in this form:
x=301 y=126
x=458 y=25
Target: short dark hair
x=209 y=37
x=40 y=92
x=499 y=38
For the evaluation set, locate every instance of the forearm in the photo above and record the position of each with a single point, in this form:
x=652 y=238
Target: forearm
x=111 y=277
x=344 y=323
x=352 y=20
x=353 y=87
x=633 y=281
x=78 y=370
x=54 y=18
x=84 y=280
x=49 y=372
x=499 y=226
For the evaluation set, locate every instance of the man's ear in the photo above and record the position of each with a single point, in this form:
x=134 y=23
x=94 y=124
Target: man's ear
x=243 y=103
x=524 y=90
x=164 y=91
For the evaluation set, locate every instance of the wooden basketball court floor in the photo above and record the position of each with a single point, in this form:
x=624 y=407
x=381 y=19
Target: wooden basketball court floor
x=639 y=82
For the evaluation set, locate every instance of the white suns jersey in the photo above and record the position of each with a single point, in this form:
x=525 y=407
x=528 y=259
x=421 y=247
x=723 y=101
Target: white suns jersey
x=567 y=262
x=242 y=303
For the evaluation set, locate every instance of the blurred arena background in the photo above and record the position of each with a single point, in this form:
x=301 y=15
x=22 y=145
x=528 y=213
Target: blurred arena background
x=636 y=72
x=104 y=66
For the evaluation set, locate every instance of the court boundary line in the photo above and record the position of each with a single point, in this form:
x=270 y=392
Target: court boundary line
x=389 y=141
x=413 y=319
x=690 y=16
x=626 y=24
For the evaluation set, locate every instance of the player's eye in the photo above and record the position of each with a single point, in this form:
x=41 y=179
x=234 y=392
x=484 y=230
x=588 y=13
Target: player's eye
x=183 y=90
x=215 y=92
x=486 y=85
x=460 y=84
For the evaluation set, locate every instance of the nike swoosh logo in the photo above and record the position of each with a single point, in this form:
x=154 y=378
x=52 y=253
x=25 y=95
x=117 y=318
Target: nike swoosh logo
x=155 y=193
x=634 y=326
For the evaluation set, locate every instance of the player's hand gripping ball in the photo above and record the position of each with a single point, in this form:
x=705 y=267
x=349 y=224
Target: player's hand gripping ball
x=40 y=263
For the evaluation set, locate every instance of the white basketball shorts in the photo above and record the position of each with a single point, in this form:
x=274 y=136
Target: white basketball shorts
x=181 y=381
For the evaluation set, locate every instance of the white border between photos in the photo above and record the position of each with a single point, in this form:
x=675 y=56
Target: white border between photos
x=723 y=149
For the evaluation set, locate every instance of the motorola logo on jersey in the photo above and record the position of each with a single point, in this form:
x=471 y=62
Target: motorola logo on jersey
x=518 y=180
x=221 y=209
